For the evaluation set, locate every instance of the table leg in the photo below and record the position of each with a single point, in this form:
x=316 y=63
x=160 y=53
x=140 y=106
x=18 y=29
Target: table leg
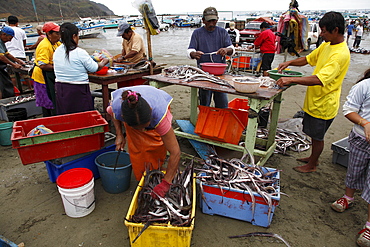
x=274 y=120
x=251 y=132
x=193 y=105
x=105 y=92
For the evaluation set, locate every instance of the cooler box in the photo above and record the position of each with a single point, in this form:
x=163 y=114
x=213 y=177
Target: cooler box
x=72 y=134
x=219 y=124
x=240 y=108
x=159 y=235
x=340 y=152
x=27 y=101
x=237 y=204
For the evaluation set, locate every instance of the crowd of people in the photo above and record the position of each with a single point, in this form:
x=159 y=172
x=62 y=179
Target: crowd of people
x=142 y=115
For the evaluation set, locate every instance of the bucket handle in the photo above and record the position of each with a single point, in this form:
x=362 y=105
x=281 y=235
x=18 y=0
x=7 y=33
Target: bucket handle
x=77 y=205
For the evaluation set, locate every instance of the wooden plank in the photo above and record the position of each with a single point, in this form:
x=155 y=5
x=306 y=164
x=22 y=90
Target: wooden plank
x=202 y=149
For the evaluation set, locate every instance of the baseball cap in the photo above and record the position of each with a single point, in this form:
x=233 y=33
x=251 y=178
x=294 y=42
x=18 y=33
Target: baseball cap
x=122 y=27
x=50 y=26
x=8 y=30
x=210 y=13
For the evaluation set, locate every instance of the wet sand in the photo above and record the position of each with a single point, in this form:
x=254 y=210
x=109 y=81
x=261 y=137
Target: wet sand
x=32 y=211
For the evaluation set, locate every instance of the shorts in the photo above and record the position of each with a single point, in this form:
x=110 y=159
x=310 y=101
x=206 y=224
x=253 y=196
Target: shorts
x=358 y=172
x=267 y=59
x=315 y=127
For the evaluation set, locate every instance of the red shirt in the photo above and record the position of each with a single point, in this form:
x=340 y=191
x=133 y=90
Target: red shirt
x=266 y=41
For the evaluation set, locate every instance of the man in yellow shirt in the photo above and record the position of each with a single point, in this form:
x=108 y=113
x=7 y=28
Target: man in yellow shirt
x=133 y=44
x=321 y=104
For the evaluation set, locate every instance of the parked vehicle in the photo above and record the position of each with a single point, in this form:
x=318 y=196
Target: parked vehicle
x=314 y=35
x=252 y=29
x=164 y=26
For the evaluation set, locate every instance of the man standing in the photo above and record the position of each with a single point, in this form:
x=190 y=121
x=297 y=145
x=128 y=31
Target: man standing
x=6 y=86
x=210 y=43
x=321 y=103
x=266 y=43
x=359 y=31
x=133 y=44
x=17 y=45
x=234 y=34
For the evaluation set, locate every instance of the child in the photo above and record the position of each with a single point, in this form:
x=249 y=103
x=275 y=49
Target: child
x=357 y=110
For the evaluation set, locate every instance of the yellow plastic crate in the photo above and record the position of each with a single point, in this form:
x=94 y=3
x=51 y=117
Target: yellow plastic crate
x=159 y=235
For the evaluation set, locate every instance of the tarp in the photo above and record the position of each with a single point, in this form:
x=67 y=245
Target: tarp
x=266 y=19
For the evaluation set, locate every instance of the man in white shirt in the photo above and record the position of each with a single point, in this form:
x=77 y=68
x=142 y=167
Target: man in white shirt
x=18 y=43
x=358 y=33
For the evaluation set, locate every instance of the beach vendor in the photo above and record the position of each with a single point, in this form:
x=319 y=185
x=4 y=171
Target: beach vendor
x=145 y=113
x=331 y=60
x=6 y=85
x=133 y=49
x=210 y=44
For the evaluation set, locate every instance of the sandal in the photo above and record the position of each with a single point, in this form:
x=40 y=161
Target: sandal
x=364 y=238
x=341 y=204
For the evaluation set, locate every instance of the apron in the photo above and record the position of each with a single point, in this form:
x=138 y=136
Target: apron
x=49 y=78
x=146 y=149
x=6 y=85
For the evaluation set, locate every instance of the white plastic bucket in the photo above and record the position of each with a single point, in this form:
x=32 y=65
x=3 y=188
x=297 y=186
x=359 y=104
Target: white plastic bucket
x=76 y=187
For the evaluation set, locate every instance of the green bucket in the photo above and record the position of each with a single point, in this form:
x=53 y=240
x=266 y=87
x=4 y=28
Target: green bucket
x=285 y=73
x=5 y=133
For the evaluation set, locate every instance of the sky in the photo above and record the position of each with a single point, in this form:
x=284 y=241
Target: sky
x=124 y=7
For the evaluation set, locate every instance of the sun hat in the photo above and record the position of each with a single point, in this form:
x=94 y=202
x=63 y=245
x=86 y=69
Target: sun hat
x=8 y=30
x=210 y=13
x=50 y=26
x=122 y=27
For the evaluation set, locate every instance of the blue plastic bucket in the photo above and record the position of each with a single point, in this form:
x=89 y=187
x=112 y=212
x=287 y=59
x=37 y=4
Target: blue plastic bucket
x=5 y=133
x=117 y=181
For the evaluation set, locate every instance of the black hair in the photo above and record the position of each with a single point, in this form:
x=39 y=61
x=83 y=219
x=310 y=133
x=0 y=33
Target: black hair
x=366 y=75
x=331 y=20
x=67 y=30
x=135 y=109
x=12 y=19
x=264 y=25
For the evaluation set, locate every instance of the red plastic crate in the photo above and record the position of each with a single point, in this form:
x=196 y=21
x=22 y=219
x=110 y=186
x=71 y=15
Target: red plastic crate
x=72 y=134
x=242 y=62
x=218 y=124
x=240 y=108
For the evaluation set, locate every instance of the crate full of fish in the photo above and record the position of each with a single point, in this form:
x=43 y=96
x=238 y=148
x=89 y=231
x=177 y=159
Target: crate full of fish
x=27 y=101
x=240 y=191
x=167 y=221
x=65 y=135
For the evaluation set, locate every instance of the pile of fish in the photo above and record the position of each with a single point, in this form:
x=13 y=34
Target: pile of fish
x=175 y=208
x=287 y=140
x=189 y=73
x=20 y=99
x=237 y=174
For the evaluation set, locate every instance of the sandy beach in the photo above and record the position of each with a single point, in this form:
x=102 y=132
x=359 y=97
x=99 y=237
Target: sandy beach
x=31 y=209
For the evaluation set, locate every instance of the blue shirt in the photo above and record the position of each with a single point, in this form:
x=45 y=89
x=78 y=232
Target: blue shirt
x=207 y=42
x=350 y=28
x=73 y=70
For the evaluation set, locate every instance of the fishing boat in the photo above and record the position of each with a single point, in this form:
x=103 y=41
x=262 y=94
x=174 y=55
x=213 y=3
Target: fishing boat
x=89 y=28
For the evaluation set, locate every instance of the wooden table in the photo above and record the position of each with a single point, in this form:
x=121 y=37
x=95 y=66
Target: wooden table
x=119 y=78
x=257 y=100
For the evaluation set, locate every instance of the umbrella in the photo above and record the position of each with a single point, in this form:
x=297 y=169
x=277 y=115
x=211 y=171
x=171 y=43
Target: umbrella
x=292 y=31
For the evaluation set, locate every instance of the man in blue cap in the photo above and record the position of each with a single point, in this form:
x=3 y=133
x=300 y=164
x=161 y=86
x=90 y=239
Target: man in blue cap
x=6 y=85
x=133 y=49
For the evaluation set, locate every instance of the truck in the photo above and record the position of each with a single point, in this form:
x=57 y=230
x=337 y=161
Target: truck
x=252 y=29
x=314 y=35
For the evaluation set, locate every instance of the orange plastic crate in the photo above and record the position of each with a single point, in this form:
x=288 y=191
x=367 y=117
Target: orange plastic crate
x=241 y=62
x=218 y=124
x=240 y=108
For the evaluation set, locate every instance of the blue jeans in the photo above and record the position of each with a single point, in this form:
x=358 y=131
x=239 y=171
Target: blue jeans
x=220 y=99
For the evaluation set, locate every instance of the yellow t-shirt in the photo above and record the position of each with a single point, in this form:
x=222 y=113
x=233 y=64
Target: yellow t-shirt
x=332 y=62
x=136 y=43
x=44 y=55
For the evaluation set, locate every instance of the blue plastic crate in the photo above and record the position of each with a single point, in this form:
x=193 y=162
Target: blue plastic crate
x=237 y=204
x=87 y=161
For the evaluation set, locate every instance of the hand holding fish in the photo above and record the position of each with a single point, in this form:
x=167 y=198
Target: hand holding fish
x=161 y=189
x=222 y=52
x=196 y=54
x=284 y=81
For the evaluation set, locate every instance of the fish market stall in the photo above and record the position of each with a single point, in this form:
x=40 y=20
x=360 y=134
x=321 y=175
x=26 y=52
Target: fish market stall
x=262 y=97
x=122 y=77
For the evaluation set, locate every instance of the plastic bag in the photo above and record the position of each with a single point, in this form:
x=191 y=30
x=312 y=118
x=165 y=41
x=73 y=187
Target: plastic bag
x=39 y=130
x=146 y=9
x=99 y=55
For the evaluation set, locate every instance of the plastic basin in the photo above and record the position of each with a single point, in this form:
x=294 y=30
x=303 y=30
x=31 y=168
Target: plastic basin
x=286 y=73
x=214 y=68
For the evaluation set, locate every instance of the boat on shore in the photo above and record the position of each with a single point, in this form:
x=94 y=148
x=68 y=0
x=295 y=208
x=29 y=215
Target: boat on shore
x=90 y=32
